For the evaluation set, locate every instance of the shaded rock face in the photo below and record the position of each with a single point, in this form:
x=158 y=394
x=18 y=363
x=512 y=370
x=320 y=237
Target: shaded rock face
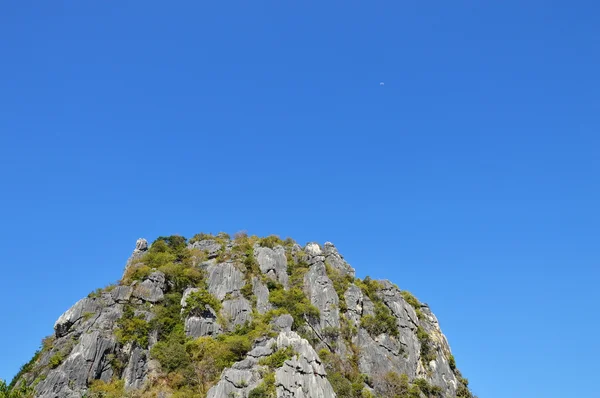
x=87 y=345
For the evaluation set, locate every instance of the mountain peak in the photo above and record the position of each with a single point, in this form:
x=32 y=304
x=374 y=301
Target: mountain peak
x=215 y=316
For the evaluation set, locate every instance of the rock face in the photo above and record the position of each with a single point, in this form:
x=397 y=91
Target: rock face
x=226 y=317
x=304 y=374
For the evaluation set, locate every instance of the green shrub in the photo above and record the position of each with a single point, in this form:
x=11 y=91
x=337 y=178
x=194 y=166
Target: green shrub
x=56 y=360
x=171 y=353
x=201 y=236
x=218 y=353
x=369 y=287
x=197 y=301
x=428 y=353
x=382 y=322
x=452 y=362
x=183 y=275
x=167 y=315
x=271 y=241
x=266 y=389
x=462 y=391
x=429 y=390
x=277 y=359
x=8 y=391
x=343 y=375
x=247 y=291
x=132 y=328
x=136 y=272
x=341 y=283
x=295 y=302
x=101 y=389
x=393 y=385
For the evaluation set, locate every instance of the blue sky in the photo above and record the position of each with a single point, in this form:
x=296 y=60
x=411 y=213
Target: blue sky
x=471 y=178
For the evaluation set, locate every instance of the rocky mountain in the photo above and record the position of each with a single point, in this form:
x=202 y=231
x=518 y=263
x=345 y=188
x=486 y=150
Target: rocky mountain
x=215 y=316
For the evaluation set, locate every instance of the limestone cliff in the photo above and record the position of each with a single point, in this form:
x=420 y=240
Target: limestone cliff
x=251 y=317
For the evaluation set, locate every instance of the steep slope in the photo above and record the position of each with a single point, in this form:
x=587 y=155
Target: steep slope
x=243 y=317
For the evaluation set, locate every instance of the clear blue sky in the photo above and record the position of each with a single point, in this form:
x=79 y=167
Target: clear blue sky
x=471 y=178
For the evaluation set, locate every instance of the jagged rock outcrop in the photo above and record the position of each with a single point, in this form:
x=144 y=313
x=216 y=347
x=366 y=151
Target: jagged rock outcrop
x=230 y=318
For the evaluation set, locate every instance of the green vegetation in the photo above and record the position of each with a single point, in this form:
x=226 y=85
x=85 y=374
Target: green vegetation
x=427 y=349
x=343 y=375
x=198 y=300
x=452 y=362
x=56 y=360
x=271 y=241
x=296 y=271
x=429 y=390
x=277 y=359
x=294 y=302
x=200 y=236
x=101 y=389
x=170 y=256
x=167 y=315
x=341 y=283
x=382 y=321
x=132 y=328
x=12 y=392
x=393 y=385
x=266 y=389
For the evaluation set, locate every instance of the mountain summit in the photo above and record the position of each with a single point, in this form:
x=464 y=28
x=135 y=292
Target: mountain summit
x=215 y=316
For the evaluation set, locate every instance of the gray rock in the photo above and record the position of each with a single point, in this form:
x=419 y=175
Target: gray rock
x=313 y=249
x=283 y=323
x=121 y=294
x=319 y=289
x=333 y=258
x=261 y=292
x=354 y=302
x=273 y=263
x=141 y=247
x=203 y=325
x=383 y=354
x=87 y=361
x=136 y=372
x=314 y=254
x=211 y=247
x=264 y=349
x=198 y=325
x=152 y=288
x=223 y=279
x=186 y=295
x=237 y=311
x=74 y=314
x=303 y=375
